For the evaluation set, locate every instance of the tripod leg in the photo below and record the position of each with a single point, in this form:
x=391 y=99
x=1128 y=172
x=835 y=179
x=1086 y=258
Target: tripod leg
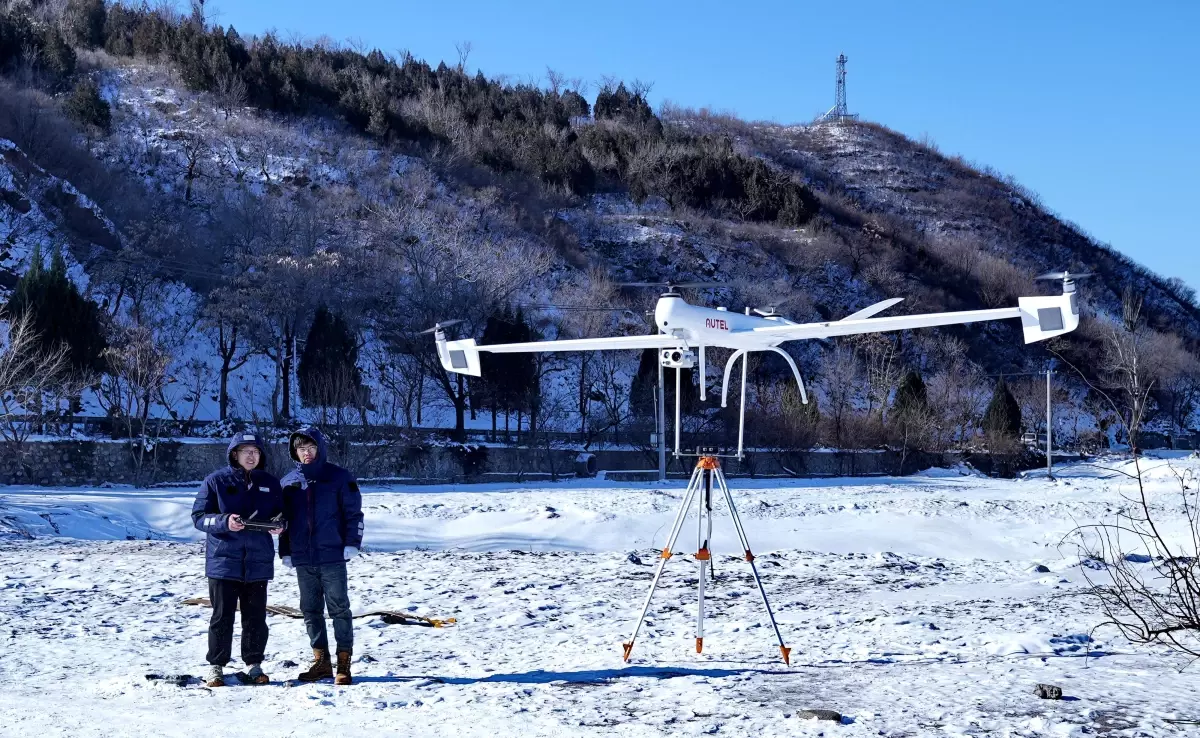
x=676 y=527
x=741 y=531
x=702 y=553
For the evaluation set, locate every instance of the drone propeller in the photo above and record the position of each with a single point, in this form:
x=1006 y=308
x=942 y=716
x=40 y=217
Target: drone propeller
x=1065 y=276
x=439 y=326
x=767 y=312
x=675 y=285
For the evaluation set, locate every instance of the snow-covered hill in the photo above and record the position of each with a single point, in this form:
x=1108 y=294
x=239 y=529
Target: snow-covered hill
x=898 y=219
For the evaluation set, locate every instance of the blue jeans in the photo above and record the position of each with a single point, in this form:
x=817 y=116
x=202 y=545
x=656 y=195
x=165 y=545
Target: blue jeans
x=320 y=587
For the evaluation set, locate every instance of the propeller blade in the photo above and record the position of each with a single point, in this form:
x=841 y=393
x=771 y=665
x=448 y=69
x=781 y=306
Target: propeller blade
x=685 y=285
x=439 y=326
x=1064 y=275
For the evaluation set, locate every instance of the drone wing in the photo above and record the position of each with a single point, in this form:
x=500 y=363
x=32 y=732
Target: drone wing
x=462 y=356
x=1041 y=318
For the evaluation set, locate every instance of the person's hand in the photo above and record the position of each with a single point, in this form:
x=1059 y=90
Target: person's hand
x=275 y=531
x=349 y=553
x=287 y=561
x=236 y=524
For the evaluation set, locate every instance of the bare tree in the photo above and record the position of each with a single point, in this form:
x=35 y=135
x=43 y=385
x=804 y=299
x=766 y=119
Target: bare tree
x=231 y=92
x=194 y=146
x=464 y=52
x=1150 y=586
x=555 y=80
x=439 y=265
x=138 y=374
x=839 y=380
x=1133 y=361
x=27 y=374
x=587 y=317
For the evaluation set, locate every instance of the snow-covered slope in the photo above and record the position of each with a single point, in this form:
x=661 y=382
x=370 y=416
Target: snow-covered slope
x=37 y=208
x=913 y=607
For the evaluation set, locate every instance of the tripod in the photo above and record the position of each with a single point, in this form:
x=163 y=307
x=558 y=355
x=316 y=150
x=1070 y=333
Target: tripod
x=707 y=473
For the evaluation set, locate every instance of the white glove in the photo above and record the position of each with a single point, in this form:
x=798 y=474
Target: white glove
x=349 y=553
x=287 y=561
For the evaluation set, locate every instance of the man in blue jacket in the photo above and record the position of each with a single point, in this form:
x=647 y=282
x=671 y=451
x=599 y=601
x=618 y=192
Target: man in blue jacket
x=323 y=509
x=238 y=562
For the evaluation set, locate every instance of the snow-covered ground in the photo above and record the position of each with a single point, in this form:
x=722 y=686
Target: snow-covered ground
x=912 y=605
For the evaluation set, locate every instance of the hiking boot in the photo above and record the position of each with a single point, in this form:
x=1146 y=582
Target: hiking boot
x=321 y=667
x=255 y=675
x=343 y=669
x=216 y=676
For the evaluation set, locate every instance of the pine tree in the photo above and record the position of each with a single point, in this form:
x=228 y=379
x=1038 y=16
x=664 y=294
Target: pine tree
x=328 y=370
x=86 y=107
x=61 y=315
x=1003 y=414
x=641 y=389
x=911 y=395
x=523 y=386
x=84 y=20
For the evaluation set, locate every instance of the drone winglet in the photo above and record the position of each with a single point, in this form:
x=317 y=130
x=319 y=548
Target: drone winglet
x=459 y=357
x=1047 y=317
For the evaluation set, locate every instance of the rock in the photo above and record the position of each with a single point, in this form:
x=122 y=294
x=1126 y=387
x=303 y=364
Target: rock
x=1042 y=569
x=288 y=664
x=1048 y=691
x=831 y=715
x=634 y=558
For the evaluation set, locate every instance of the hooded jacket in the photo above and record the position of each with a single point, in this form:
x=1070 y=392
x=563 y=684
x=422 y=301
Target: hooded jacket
x=323 y=507
x=247 y=555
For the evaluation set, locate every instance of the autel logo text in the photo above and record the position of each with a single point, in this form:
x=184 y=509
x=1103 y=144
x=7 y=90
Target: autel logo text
x=718 y=323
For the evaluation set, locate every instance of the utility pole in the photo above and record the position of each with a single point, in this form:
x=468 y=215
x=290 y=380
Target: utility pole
x=661 y=412
x=1049 y=424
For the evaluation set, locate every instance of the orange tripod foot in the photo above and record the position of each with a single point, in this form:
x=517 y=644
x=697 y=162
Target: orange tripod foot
x=787 y=655
x=628 y=649
x=699 y=645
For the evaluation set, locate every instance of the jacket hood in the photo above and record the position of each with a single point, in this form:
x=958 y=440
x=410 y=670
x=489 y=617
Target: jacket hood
x=242 y=439
x=313 y=432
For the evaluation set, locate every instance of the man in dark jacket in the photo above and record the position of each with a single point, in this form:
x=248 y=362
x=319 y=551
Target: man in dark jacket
x=323 y=509
x=238 y=562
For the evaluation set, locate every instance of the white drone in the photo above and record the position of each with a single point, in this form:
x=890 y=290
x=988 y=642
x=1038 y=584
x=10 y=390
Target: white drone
x=686 y=330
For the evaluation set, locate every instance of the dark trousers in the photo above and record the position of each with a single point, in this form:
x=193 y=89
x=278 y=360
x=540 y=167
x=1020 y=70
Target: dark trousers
x=226 y=595
x=321 y=587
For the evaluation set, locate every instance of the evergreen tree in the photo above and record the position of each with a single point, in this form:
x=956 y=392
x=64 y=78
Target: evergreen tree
x=1003 y=414
x=911 y=395
x=523 y=385
x=61 y=315
x=492 y=389
x=328 y=370
x=641 y=389
x=86 y=107
x=84 y=22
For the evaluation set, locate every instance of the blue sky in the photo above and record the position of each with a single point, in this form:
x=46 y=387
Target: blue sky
x=1093 y=105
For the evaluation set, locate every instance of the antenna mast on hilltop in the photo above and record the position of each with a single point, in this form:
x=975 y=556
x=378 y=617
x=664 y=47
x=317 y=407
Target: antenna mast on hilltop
x=839 y=113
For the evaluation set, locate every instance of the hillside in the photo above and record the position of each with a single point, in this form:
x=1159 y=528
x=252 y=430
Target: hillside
x=208 y=203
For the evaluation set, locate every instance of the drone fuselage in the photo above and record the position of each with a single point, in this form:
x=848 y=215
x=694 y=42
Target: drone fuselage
x=702 y=326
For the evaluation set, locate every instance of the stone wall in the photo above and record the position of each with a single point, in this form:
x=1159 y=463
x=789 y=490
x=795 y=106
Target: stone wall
x=72 y=463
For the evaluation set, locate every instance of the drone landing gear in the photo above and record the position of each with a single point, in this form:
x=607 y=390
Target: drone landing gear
x=707 y=474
